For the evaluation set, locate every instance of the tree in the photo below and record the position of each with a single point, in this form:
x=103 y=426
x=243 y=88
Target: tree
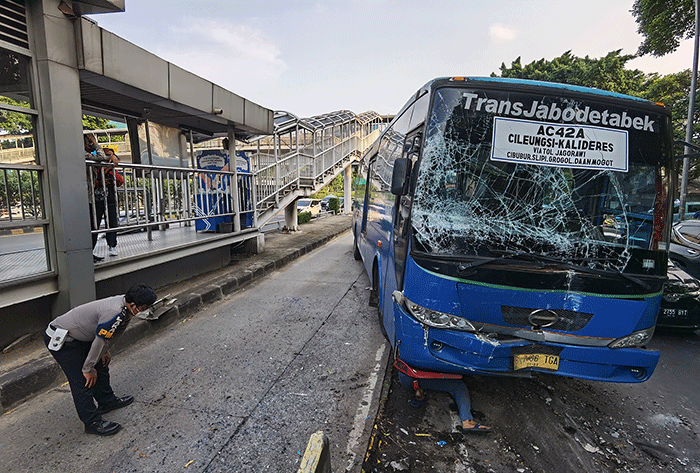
x=663 y=23
x=607 y=73
x=336 y=187
x=673 y=91
x=15 y=123
x=94 y=123
x=20 y=187
x=18 y=123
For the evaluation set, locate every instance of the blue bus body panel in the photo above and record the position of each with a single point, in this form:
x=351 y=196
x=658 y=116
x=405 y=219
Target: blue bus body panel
x=445 y=350
x=612 y=317
x=442 y=350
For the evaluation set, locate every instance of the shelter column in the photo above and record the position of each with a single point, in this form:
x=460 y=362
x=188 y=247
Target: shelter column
x=234 y=181
x=63 y=153
x=347 y=191
x=290 y=217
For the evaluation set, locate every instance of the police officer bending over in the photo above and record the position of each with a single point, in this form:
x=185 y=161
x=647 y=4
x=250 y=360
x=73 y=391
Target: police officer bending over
x=79 y=340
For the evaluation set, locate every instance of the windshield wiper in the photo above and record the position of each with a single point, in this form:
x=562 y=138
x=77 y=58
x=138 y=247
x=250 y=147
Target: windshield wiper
x=576 y=267
x=463 y=267
x=469 y=263
x=465 y=262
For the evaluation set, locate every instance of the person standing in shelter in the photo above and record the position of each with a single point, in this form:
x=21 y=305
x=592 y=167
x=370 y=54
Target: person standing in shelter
x=93 y=152
x=80 y=339
x=107 y=208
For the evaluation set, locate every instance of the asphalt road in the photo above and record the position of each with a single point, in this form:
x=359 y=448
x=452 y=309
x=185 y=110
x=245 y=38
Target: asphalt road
x=239 y=387
x=551 y=424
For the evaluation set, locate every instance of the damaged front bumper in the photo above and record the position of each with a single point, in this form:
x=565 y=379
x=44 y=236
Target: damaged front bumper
x=462 y=351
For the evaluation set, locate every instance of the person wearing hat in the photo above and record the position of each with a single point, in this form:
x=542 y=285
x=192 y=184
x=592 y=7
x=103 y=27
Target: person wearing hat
x=80 y=339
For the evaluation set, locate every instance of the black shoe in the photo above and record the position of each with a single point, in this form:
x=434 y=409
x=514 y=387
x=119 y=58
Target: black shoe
x=96 y=259
x=117 y=403
x=102 y=427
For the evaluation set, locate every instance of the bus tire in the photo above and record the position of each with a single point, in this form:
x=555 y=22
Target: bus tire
x=356 y=251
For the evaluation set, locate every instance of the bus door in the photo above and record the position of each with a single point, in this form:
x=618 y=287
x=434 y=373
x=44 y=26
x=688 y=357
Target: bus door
x=402 y=224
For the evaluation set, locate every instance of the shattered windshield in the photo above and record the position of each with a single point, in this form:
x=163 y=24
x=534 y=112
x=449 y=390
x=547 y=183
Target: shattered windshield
x=488 y=182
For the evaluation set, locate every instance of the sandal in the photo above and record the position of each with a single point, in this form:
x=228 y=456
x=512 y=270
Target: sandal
x=416 y=403
x=477 y=429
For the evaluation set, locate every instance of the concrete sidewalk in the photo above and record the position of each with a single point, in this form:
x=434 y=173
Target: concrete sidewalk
x=29 y=369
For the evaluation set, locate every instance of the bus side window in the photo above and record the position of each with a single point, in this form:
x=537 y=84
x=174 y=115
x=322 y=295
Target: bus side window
x=369 y=182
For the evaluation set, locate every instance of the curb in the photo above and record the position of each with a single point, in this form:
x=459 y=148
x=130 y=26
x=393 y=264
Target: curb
x=383 y=397
x=317 y=457
x=32 y=378
x=20 y=231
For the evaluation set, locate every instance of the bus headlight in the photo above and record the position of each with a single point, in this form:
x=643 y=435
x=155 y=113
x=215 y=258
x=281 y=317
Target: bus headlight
x=437 y=319
x=637 y=339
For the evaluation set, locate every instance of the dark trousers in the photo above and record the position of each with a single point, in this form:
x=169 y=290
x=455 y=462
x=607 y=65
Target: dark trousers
x=107 y=210
x=71 y=358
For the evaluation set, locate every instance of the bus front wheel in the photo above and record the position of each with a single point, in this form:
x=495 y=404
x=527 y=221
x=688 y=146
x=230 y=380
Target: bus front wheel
x=356 y=251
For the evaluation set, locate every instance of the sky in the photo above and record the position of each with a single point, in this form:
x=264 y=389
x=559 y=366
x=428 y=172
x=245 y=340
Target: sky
x=316 y=57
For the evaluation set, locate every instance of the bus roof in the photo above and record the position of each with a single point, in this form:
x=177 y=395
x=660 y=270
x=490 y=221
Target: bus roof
x=563 y=88
x=536 y=83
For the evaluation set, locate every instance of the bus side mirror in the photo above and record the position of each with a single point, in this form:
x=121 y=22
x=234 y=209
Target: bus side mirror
x=399 y=178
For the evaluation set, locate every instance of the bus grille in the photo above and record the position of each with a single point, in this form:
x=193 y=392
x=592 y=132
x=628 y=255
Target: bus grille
x=565 y=320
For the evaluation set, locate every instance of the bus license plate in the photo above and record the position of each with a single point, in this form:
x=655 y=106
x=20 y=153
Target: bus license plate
x=536 y=360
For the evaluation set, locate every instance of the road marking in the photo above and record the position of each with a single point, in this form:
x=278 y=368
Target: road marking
x=363 y=409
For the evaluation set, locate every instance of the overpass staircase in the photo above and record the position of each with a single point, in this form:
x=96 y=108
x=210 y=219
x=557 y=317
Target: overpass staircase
x=306 y=154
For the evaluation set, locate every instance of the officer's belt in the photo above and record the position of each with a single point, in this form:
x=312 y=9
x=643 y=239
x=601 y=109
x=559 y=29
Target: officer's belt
x=51 y=331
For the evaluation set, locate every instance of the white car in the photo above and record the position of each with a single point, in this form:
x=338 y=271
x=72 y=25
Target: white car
x=325 y=200
x=309 y=205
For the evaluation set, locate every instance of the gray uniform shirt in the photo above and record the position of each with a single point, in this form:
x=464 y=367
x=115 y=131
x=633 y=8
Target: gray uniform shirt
x=99 y=322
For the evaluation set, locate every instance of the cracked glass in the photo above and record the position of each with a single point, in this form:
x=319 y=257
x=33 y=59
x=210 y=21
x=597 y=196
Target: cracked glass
x=473 y=199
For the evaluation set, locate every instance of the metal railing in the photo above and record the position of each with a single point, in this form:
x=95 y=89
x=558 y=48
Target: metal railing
x=21 y=201
x=301 y=157
x=152 y=196
x=299 y=160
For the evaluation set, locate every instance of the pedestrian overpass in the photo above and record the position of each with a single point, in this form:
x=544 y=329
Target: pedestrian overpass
x=304 y=155
x=298 y=159
x=160 y=206
x=64 y=65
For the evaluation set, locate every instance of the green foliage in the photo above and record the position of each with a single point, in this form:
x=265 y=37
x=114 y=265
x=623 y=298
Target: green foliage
x=334 y=204
x=336 y=186
x=663 y=23
x=94 y=123
x=673 y=90
x=607 y=73
x=304 y=217
x=15 y=123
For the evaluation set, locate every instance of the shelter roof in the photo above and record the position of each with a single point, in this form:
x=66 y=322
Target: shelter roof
x=119 y=79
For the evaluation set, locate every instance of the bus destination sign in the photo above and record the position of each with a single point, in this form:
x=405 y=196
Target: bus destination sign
x=562 y=145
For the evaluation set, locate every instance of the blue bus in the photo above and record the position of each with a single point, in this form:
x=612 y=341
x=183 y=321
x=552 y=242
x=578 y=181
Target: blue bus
x=510 y=227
